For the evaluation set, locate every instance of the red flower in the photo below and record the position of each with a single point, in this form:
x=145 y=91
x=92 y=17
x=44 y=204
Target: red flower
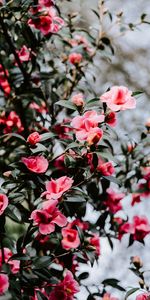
x=135 y=199
x=105 y=168
x=4 y=283
x=36 y=164
x=141 y=228
x=66 y=289
x=4 y=82
x=3 y=203
x=47 y=217
x=56 y=188
x=113 y=200
x=95 y=242
x=110 y=118
x=75 y=58
x=33 y=138
x=14 y=264
x=70 y=238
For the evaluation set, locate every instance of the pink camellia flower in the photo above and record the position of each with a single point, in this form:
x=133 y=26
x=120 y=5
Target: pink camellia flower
x=36 y=164
x=113 y=200
x=66 y=289
x=34 y=138
x=56 y=188
x=70 y=238
x=48 y=217
x=75 y=58
x=83 y=225
x=47 y=3
x=125 y=228
x=108 y=296
x=78 y=99
x=95 y=242
x=24 y=53
x=141 y=228
x=4 y=283
x=111 y=119
x=119 y=98
x=48 y=22
x=14 y=264
x=86 y=127
x=105 y=168
x=39 y=108
x=13 y=122
x=143 y=296
x=3 y=203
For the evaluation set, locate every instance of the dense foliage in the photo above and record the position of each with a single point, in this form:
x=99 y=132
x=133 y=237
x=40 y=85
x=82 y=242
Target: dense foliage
x=60 y=154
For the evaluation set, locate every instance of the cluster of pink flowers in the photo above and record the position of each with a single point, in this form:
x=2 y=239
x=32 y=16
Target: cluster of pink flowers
x=86 y=127
x=104 y=168
x=11 y=122
x=47 y=21
x=112 y=200
x=139 y=228
x=66 y=289
x=4 y=84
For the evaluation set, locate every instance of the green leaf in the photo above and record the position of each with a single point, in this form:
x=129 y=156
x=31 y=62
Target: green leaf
x=130 y=292
x=66 y=104
x=112 y=179
x=137 y=93
x=42 y=262
x=40 y=296
x=18 y=136
x=72 y=145
x=83 y=276
x=47 y=136
x=114 y=283
x=75 y=199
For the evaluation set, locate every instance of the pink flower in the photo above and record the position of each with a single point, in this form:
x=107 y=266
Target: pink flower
x=13 y=122
x=14 y=264
x=24 y=53
x=125 y=228
x=95 y=242
x=66 y=289
x=56 y=188
x=4 y=283
x=105 y=168
x=36 y=164
x=143 y=296
x=119 y=98
x=108 y=296
x=77 y=222
x=111 y=119
x=141 y=228
x=47 y=217
x=70 y=238
x=86 y=127
x=47 y=3
x=75 y=58
x=3 y=203
x=33 y=138
x=113 y=200
x=47 y=23
x=78 y=99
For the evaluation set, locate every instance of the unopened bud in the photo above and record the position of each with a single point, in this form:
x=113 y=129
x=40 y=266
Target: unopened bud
x=137 y=262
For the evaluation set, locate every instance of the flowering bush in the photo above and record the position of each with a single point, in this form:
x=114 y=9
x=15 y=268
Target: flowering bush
x=60 y=153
